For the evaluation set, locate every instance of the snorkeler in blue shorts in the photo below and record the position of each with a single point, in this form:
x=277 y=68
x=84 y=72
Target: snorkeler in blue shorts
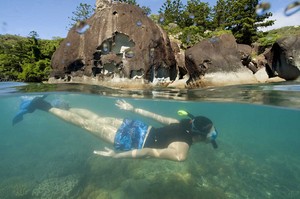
x=134 y=138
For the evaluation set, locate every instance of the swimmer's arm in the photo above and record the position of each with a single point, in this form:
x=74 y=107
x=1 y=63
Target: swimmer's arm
x=157 y=117
x=176 y=151
x=122 y=104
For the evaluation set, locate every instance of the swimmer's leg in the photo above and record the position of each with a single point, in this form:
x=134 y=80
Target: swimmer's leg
x=99 y=127
x=102 y=127
x=87 y=114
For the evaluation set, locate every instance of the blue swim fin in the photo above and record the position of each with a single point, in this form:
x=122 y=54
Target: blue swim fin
x=28 y=105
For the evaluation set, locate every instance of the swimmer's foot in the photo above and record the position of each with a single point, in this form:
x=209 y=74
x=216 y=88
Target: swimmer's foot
x=29 y=105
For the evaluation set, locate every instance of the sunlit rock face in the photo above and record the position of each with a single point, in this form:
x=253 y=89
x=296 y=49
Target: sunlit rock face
x=218 y=61
x=283 y=60
x=118 y=42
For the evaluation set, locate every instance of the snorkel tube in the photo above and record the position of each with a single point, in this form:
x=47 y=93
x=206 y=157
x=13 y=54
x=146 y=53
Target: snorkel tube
x=185 y=113
x=212 y=135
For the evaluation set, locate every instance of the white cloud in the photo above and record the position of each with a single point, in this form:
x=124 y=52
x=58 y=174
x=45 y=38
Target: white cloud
x=282 y=20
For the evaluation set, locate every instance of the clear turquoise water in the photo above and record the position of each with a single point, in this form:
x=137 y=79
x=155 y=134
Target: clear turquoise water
x=258 y=154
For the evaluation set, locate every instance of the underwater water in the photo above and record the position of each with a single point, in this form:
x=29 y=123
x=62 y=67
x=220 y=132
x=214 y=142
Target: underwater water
x=258 y=154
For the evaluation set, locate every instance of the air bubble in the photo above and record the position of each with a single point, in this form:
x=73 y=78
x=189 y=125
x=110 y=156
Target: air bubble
x=292 y=8
x=192 y=16
x=188 y=39
x=152 y=51
x=82 y=27
x=214 y=40
x=129 y=54
x=161 y=19
x=139 y=23
x=262 y=8
x=105 y=47
x=4 y=25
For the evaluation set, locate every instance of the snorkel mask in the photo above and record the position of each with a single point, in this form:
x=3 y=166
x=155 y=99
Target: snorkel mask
x=211 y=136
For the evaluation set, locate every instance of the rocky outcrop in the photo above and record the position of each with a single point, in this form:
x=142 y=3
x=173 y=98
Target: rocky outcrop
x=119 y=46
x=118 y=41
x=283 y=60
x=218 y=61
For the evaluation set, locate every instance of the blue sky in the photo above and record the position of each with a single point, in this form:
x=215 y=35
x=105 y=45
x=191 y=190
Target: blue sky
x=49 y=18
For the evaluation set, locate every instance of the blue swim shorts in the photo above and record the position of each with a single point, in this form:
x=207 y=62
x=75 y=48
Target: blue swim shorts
x=130 y=135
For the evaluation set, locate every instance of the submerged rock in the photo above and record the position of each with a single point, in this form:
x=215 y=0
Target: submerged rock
x=283 y=60
x=59 y=188
x=118 y=42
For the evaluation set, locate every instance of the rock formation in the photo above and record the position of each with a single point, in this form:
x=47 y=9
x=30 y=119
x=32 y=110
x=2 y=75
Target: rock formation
x=118 y=42
x=218 y=61
x=283 y=59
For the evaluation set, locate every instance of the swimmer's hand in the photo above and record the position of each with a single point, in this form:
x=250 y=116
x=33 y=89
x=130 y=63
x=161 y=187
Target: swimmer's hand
x=122 y=104
x=108 y=152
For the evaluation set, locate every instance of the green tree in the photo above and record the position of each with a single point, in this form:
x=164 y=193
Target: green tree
x=191 y=35
x=35 y=72
x=192 y=20
x=197 y=13
x=9 y=69
x=82 y=13
x=155 y=18
x=34 y=45
x=25 y=59
x=13 y=52
x=172 y=11
x=220 y=13
x=48 y=47
x=243 y=20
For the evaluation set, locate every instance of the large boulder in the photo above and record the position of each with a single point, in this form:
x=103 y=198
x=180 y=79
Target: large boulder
x=283 y=60
x=118 y=42
x=218 y=61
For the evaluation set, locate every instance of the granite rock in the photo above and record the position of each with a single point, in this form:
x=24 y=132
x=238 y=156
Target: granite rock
x=283 y=59
x=118 y=41
x=218 y=61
